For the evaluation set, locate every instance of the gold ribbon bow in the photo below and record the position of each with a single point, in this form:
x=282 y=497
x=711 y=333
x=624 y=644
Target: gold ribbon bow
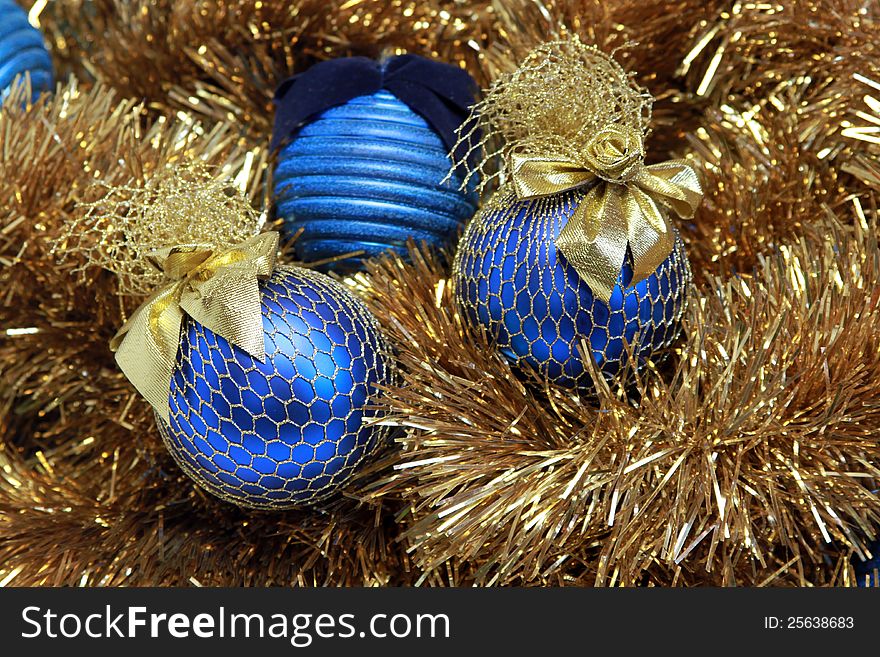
x=217 y=288
x=620 y=209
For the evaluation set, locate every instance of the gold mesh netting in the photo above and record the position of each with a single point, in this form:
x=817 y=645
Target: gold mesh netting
x=751 y=462
x=562 y=94
x=185 y=203
x=292 y=428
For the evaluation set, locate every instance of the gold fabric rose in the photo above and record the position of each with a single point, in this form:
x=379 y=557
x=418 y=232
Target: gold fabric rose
x=621 y=208
x=614 y=154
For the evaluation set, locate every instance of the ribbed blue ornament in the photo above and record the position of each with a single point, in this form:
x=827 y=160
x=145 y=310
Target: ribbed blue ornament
x=367 y=176
x=290 y=430
x=510 y=279
x=22 y=50
x=868 y=572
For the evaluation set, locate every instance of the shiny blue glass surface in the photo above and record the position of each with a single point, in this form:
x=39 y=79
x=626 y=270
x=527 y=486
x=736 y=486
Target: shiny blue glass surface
x=510 y=279
x=367 y=176
x=22 y=50
x=291 y=429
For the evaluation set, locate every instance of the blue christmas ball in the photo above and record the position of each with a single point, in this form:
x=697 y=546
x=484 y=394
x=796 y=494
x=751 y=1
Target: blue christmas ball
x=868 y=572
x=510 y=279
x=366 y=176
x=22 y=51
x=290 y=430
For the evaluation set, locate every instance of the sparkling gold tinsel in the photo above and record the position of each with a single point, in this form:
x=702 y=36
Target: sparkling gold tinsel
x=748 y=460
x=759 y=440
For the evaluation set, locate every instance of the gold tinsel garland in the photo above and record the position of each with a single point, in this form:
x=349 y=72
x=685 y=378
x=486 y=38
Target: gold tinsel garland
x=748 y=459
x=715 y=464
x=87 y=488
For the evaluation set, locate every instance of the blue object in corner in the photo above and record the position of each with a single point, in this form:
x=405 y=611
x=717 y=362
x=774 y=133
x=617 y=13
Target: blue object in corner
x=22 y=51
x=868 y=572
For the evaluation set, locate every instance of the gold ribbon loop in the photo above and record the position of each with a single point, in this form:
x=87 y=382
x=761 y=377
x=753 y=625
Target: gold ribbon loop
x=218 y=289
x=621 y=208
x=535 y=177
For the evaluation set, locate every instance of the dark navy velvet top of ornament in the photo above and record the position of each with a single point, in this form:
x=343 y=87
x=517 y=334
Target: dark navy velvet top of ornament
x=22 y=50
x=440 y=93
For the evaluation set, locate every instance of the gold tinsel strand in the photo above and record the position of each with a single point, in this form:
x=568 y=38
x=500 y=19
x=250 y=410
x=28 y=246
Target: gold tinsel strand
x=805 y=59
x=88 y=494
x=776 y=381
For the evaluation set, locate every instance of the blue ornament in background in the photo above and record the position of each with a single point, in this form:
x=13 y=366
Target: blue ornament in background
x=22 y=51
x=510 y=279
x=290 y=430
x=868 y=572
x=366 y=159
x=367 y=176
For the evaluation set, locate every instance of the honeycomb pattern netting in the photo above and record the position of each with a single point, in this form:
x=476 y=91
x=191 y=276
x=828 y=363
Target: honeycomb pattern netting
x=510 y=279
x=293 y=429
x=22 y=50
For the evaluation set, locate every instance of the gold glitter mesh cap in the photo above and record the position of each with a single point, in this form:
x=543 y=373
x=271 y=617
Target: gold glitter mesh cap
x=561 y=96
x=124 y=226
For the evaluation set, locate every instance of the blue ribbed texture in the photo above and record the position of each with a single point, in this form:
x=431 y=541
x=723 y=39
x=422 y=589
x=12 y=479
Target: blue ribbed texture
x=366 y=176
x=510 y=279
x=22 y=50
x=291 y=429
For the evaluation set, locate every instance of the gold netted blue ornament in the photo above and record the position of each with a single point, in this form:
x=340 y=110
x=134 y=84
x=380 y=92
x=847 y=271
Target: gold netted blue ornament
x=574 y=257
x=511 y=278
x=294 y=426
x=265 y=379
